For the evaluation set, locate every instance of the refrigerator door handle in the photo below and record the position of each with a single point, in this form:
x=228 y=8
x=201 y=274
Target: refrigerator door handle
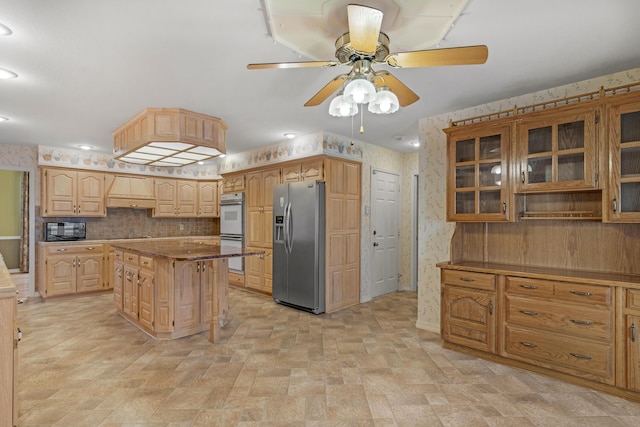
x=290 y=232
x=286 y=228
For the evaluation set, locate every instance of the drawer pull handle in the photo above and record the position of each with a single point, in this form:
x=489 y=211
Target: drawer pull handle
x=633 y=332
x=90 y=248
x=529 y=286
x=467 y=279
x=61 y=250
x=145 y=262
x=528 y=344
x=582 y=322
x=529 y=313
x=582 y=294
x=580 y=356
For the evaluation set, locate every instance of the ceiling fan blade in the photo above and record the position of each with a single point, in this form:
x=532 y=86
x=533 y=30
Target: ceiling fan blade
x=434 y=57
x=326 y=91
x=405 y=95
x=292 y=65
x=364 y=27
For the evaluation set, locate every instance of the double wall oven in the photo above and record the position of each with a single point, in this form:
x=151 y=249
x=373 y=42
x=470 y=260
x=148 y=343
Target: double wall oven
x=232 y=220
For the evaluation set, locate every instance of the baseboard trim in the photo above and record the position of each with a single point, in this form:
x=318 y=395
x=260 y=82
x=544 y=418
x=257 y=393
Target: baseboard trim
x=427 y=326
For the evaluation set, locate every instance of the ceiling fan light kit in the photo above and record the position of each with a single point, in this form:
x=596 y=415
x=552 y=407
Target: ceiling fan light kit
x=339 y=107
x=363 y=45
x=386 y=102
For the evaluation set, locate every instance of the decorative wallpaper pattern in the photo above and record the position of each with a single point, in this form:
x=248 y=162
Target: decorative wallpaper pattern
x=434 y=232
x=18 y=156
x=97 y=161
x=297 y=148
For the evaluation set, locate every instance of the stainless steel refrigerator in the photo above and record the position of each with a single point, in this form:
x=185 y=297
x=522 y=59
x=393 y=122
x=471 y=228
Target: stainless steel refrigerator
x=298 y=245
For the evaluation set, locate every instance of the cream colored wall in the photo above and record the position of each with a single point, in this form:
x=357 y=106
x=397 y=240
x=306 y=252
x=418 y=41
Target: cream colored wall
x=434 y=232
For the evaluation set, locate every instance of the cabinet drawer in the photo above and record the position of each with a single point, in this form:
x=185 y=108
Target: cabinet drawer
x=469 y=279
x=236 y=279
x=131 y=258
x=582 y=293
x=560 y=317
x=633 y=299
x=74 y=249
x=529 y=287
x=118 y=255
x=571 y=355
x=146 y=262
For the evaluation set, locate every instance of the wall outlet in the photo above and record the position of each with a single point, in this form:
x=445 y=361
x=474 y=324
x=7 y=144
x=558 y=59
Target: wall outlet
x=181 y=227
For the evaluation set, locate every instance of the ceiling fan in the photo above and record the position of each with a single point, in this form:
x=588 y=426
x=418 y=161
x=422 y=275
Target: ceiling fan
x=365 y=45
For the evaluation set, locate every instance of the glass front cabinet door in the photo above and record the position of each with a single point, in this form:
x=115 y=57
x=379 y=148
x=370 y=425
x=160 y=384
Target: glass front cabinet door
x=624 y=159
x=477 y=176
x=557 y=150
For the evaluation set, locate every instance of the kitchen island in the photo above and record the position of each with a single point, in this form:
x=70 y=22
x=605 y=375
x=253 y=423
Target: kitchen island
x=173 y=288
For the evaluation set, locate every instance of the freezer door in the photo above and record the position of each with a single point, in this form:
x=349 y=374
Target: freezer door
x=279 y=255
x=307 y=213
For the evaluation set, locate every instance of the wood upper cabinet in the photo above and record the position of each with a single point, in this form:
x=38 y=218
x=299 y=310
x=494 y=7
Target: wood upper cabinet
x=175 y=198
x=72 y=193
x=208 y=200
x=623 y=204
x=232 y=183
x=478 y=175
x=468 y=309
x=557 y=149
x=303 y=171
x=259 y=209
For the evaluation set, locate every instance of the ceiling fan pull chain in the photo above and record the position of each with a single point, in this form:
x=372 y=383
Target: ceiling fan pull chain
x=361 y=121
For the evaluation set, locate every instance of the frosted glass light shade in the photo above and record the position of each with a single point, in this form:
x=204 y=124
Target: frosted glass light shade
x=386 y=102
x=359 y=91
x=341 y=108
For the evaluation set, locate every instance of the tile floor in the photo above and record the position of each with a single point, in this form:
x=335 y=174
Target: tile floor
x=83 y=365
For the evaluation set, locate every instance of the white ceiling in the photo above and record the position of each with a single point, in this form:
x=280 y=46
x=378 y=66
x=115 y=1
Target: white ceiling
x=87 y=66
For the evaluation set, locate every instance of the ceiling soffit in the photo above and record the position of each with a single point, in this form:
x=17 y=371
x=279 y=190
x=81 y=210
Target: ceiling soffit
x=311 y=27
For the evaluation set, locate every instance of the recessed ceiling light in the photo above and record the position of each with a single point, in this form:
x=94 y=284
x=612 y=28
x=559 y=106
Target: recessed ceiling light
x=3 y=119
x=85 y=147
x=290 y=135
x=7 y=74
x=4 y=30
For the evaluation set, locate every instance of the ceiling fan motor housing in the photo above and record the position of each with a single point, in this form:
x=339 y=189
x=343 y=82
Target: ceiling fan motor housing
x=345 y=53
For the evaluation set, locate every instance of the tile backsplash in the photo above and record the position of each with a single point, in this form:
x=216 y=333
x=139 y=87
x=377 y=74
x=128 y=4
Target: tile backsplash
x=123 y=223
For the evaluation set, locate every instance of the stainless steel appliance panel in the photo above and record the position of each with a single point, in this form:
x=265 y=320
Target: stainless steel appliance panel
x=298 y=245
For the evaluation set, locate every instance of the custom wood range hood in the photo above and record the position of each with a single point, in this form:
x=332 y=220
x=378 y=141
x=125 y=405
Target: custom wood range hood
x=127 y=191
x=171 y=137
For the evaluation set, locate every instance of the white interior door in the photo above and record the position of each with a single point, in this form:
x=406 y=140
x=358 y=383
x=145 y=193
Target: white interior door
x=385 y=214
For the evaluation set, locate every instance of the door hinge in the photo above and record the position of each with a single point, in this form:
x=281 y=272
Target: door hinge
x=597 y=176
x=15 y=343
x=153 y=323
x=173 y=323
x=597 y=118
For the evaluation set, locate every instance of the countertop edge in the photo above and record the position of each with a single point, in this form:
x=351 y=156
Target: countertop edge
x=536 y=272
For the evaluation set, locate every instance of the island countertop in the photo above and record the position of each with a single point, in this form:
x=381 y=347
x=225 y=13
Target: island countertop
x=181 y=250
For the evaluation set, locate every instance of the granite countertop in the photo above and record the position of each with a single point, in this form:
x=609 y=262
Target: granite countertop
x=181 y=250
x=125 y=240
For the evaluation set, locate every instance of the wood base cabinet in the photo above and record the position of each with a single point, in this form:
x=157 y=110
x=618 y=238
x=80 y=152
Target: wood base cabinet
x=258 y=271
x=579 y=326
x=167 y=299
x=70 y=269
x=8 y=349
x=631 y=337
x=468 y=309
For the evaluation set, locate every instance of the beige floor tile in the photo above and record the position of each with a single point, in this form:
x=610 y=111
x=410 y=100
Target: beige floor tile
x=82 y=364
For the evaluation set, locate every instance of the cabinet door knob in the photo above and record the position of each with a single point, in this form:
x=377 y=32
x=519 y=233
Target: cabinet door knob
x=615 y=205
